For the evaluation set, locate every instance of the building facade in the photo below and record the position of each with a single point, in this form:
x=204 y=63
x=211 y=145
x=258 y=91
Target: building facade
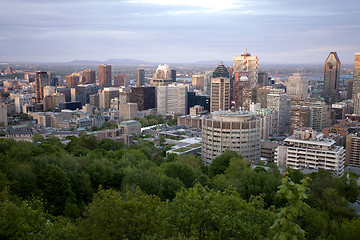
x=356 y=78
x=171 y=99
x=247 y=64
x=227 y=130
x=331 y=77
x=140 y=77
x=105 y=75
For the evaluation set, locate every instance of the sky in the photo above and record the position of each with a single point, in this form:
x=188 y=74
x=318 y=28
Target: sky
x=175 y=31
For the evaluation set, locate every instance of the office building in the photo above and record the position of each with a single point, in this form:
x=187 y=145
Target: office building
x=163 y=76
x=307 y=149
x=231 y=130
x=263 y=79
x=83 y=93
x=89 y=76
x=356 y=106
x=106 y=95
x=207 y=83
x=248 y=65
x=197 y=82
x=297 y=87
x=41 y=80
x=3 y=114
x=239 y=84
x=171 y=99
x=121 y=80
x=145 y=97
x=331 y=77
x=105 y=75
x=356 y=78
x=319 y=111
x=352 y=157
x=299 y=118
x=349 y=88
x=202 y=100
x=72 y=81
x=140 y=77
x=220 y=89
x=277 y=102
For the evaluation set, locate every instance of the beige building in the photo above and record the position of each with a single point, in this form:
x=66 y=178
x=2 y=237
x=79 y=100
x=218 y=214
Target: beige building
x=220 y=94
x=247 y=64
x=171 y=99
x=89 y=76
x=277 y=103
x=239 y=131
x=128 y=111
x=356 y=79
x=307 y=149
x=72 y=81
x=299 y=118
x=198 y=82
x=297 y=87
x=356 y=101
x=106 y=95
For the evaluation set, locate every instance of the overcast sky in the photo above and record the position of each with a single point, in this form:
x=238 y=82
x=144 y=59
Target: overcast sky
x=168 y=31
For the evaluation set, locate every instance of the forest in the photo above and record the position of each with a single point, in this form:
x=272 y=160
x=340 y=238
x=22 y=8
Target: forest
x=90 y=189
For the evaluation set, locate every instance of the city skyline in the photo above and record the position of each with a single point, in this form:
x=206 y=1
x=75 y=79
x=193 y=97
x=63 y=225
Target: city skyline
x=178 y=31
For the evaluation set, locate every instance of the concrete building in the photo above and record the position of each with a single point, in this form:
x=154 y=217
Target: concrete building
x=297 y=86
x=318 y=118
x=299 y=118
x=140 y=77
x=89 y=76
x=356 y=101
x=196 y=110
x=145 y=97
x=247 y=64
x=121 y=80
x=349 y=88
x=268 y=149
x=106 y=95
x=227 y=130
x=197 y=82
x=3 y=114
x=331 y=77
x=249 y=97
x=356 y=78
x=171 y=99
x=220 y=94
x=277 y=103
x=207 y=83
x=266 y=118
x=130 y=127
x=105 y=75
x=72 y=81
x=22 y=100
x=239 y=84
x=162 y=76
x=352 y=157
x=41 y=80
x=307 y=149
x=128 y=111
x=263 y=79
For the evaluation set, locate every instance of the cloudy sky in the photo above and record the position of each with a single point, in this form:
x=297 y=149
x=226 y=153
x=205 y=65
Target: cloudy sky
x=168 y=31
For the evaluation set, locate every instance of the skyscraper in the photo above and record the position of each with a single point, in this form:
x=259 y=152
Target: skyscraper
x=331 y=77
x=248 y=65
x=356 y=84
x=105 y=75
x=220 y=89
x=140 y=77
x=277 y=103
x=72 y=81
x=162 y=76
x=197 y=82
x=89 y=76
x=41 y=80
x=171 y=99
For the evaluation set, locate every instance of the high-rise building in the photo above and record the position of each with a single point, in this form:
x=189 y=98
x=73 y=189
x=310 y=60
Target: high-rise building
x=105 y=75
x=72 y=81
x=349 y=88
x=297 y=86
x=89 y=76
x=106 y=95
x=84 y=91
x=249 y=97
x=263 y=79
x=227 y=130
x=356 y=101
x=163 y=76
x=198 y=82
x=207 y=83
x=171 y=99
x=356 y=84
x=331 y=77
x=145 y=97
x=247 y=64
x=121 y=80
x=140 y=77
x=173 y=75
x=277 y=103
x=3 y=114
x=239 y=84
x=41 y=80
x=299 y=118
x=307 y=149
x=352 y=157
x=220 y=89
x=318 y=119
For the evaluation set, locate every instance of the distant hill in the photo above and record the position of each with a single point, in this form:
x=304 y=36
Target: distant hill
x=110 y=61
x=214 y=62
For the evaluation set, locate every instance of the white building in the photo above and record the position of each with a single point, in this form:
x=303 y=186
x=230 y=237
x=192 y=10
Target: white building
x=307 y=149
x=239 y=131
x=22 y=100
x=171 y=99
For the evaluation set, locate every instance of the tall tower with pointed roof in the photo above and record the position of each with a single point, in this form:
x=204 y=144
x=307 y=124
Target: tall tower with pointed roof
x=331 y=77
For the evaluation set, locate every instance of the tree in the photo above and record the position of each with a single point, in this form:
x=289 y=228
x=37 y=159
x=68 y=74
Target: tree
x=285 y=226
x=220 y=163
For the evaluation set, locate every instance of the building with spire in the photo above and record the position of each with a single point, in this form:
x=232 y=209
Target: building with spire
x=331 y=77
